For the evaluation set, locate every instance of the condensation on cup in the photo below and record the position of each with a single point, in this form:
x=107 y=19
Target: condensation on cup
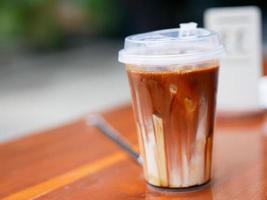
x=173 y=79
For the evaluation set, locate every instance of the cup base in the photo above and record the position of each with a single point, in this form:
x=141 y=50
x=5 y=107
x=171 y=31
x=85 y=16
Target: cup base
x=185 y=189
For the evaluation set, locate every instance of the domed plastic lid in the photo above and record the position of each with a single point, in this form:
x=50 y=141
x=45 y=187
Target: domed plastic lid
x=187 y=44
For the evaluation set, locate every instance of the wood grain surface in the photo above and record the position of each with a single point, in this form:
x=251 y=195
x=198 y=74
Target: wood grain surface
x=76 y=161
x=264 y=71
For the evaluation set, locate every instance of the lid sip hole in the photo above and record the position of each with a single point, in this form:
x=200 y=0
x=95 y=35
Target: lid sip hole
x=188 y=30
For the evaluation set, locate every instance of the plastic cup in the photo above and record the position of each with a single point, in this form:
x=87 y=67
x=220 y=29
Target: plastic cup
x=173 y=79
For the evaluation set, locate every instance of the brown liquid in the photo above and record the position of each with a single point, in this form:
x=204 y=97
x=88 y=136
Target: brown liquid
x=174 y=110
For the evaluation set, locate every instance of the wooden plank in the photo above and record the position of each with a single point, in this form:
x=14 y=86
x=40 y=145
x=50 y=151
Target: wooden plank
x=87 y=169
x=40 y=157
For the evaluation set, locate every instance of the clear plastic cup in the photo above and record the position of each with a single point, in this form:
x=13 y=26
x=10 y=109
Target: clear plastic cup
x=173 y=79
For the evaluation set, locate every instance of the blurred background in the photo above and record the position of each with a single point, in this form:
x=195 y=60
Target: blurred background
x=58 y=58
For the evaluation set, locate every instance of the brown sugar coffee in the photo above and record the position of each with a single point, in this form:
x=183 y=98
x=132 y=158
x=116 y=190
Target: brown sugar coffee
x=173 y=79
x=174 y=110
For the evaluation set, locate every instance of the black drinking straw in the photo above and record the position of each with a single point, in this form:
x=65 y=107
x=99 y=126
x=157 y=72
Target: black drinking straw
x=101 y=124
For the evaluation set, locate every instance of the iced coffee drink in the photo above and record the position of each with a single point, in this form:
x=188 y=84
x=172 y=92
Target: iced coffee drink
x=173 y=87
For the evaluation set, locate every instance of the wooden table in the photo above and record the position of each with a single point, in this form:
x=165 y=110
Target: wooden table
x=76 y=161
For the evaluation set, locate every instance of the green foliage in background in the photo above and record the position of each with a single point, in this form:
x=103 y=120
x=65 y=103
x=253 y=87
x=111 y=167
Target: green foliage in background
x=36 y=23
x=103 y=14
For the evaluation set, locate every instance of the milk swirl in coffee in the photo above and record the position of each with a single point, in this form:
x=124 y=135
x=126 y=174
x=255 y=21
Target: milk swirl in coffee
x=174 y=110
